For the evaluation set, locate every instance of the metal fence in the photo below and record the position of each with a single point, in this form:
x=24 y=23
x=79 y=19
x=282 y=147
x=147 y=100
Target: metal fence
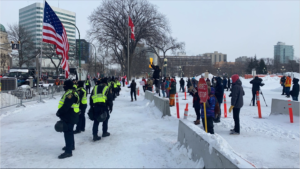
x=22 y=95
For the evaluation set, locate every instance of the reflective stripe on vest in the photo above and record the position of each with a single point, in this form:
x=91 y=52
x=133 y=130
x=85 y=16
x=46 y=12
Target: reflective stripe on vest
x=75 y=86
x=100 y=98
x=83 y=99
x=115 y=85
x=119 y=84
x=75 y=106
x=87 y=83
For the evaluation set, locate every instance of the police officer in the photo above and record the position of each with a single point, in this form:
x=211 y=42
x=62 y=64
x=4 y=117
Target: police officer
x=87 y=86
x=83 y=104
x=98 y=103
x=110 y=96
x=74 y=84
x=68 y=110
x=118 y=86
x=115 y=87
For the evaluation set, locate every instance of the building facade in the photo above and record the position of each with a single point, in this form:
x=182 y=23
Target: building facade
x=242 y=59
x=283 y=53
x=185 y=65
x=216 y=57
x=85 y=50
x=5 y=50
x=31 y=18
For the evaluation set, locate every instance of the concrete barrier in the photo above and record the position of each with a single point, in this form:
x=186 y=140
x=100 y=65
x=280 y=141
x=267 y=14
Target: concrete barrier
x=161 y=103
x=281 y=107
x=191 y=137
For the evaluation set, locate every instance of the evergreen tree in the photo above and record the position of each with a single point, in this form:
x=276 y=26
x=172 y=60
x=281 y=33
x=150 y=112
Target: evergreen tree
x=255 y=63
x=261 y=67
x=250 y=66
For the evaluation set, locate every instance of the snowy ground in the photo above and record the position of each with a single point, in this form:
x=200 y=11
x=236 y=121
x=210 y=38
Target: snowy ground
x=271 y=142
x=141 y=138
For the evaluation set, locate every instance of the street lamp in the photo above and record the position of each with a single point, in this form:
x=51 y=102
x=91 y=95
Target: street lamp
x=180 y=70
x=165 y=67
x=282 y=69
x=79 y=49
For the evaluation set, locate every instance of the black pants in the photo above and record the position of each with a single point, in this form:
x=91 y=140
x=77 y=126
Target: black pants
x=88 y=88
x=283 y=90
x=96 y=122
x=133 y=92
x=144 y=88
x=236 y=118
x=81 y=120
x=253 y=97
x=197 y=110
x=182 y=88
x=123 y=83
x=210 y=125
x=69 y=138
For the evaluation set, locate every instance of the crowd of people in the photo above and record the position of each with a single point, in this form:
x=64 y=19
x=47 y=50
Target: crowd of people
x=73 y=105
x=286 y=83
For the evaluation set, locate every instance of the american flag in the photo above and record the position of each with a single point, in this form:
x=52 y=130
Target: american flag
x=55 y=33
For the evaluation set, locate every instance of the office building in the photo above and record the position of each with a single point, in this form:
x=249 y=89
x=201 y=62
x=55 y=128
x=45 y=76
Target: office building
x=85 y=50
x=242 y=59
x=216 y=57
x=283 y=53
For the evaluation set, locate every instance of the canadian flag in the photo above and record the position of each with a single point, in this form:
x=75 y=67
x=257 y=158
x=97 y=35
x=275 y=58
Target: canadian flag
x=130 y=23
x=125 y=79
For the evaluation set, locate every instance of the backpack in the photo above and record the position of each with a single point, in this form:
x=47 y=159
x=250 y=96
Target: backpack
x=217 y=108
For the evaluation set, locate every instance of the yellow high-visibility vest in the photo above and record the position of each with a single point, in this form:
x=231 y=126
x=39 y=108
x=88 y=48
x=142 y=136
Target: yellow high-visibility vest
x=83 y=100
x=100 y=97
x=75 y=106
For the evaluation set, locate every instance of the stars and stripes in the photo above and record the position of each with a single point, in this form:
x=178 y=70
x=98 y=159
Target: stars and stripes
x=55 y=33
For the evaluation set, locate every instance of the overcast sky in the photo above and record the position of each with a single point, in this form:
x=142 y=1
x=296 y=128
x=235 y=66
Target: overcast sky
x=236 y=28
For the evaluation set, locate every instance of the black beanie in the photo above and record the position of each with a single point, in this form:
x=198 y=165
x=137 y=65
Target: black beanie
x=68 y=84
x=80 y=83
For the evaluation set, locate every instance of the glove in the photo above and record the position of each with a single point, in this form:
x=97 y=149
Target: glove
x=230 y=109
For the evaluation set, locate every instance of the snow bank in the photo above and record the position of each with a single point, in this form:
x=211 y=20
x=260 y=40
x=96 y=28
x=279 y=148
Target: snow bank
x=7 y=99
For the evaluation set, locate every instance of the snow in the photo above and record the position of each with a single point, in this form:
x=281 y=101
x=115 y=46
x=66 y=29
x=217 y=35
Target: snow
x=140 y=138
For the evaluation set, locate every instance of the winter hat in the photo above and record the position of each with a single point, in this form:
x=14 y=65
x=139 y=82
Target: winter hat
x=234 y=78
x=80 y=83
x=68 y=84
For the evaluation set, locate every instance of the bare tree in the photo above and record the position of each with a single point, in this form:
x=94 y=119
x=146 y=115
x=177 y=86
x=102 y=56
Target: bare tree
x=28 y=51
x=110 y=25
x=51 y=54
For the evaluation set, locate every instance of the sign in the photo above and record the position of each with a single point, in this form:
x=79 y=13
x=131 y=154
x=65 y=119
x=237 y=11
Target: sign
x=19 y=70
x=202 y=90
x=151 y=62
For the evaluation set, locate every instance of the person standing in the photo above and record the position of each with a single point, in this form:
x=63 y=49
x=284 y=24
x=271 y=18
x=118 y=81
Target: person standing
x=282 y=81
x=110 y=95
x=123 y=81
x=228 y=82
x=256 y=83
x=172 y=92
x=287 y=84
x=224 y=83
x=80 y=127
x=219 y=92
x=237 y=102
x=57 y=82
x=149 y=85
x=155 y=74
x=210 y=111
x=68 y=111
x=118 y=86
x=87 y=86
x=295 y=91
x=181 y=84
x=145 y=84
x=196 y=105
x=167 y=87
x=132 y=90
x=98 y=104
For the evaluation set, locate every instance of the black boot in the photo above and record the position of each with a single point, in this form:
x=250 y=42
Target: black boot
x=64 y=148
x=106 y=134
x=96 y=138
x=76 y=131
x=65 y=155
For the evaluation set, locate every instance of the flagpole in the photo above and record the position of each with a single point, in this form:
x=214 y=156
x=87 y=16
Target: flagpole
x=128 y=48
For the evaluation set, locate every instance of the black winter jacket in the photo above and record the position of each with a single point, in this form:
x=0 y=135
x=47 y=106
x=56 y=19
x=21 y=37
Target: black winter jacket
x=228 y=81
x=219 y=90
x=282 y=80
x=196 y=100
x=156 y=71
x=66 y=112
x=181 y=82
x=256 y=83
x=132 y=86
x=295 y=90
x=237 y=94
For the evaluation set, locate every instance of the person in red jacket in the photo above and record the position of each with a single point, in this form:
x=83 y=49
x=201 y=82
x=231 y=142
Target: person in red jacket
x=145 y=83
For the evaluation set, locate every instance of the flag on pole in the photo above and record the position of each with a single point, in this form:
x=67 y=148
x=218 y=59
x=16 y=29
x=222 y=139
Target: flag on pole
x=130 y=23
x=55 y=33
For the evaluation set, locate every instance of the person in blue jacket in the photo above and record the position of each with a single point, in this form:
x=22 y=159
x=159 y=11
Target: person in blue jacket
x=210 y=111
